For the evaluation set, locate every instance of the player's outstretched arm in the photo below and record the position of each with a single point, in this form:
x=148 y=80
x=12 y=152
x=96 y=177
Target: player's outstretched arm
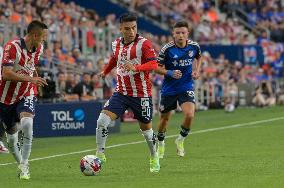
x=10 y=75
x=153 y=65
x=111 y=64
x=149 y=66
x=176 y=74
x=102 y=75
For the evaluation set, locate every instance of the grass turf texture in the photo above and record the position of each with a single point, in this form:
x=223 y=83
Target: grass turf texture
x=246 y=156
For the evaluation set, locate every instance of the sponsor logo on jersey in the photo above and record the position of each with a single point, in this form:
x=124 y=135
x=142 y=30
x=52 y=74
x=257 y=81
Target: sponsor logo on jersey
x=190 y=53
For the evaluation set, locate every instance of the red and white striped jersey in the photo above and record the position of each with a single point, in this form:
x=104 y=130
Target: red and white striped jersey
x=23 y=62
x=1 y=56
x=140 y=51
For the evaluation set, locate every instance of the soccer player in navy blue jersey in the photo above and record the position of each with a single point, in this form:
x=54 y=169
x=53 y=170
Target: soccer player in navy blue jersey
x=179 y=61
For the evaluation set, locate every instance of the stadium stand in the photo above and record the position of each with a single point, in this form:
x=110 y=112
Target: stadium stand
x=79 y=41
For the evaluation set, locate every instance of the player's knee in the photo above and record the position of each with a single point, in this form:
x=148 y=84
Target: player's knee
x=11 y=130
x=27 y=127
x=165 y=118
x=103 y=121
x=112 y=123
x=189 y=115
x=149 y=134
x=12 y=139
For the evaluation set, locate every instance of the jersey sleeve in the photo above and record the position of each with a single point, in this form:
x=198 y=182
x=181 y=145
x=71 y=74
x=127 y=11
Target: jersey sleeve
x=9 y=55
x=148 y=52
x=161 y=57
x=111 y=64
x=198 y=54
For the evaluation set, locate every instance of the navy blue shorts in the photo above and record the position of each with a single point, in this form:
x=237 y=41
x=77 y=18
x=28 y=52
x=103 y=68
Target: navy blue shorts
x=10 y=114
x=169 y=102
x=142 y=107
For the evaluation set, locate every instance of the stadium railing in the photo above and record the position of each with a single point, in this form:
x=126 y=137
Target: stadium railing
x=78 y=38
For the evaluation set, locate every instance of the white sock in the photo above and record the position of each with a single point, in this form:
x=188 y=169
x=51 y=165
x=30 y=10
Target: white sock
x=102 y=132
x=27 y=127
x=151 y=141
x=101 y=137
x=14 y=146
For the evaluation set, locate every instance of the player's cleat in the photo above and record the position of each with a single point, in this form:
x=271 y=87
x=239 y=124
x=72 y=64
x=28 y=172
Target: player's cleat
x=24 y=171
x=3 y=149
x=161 y=150
x=101 y=156
x=180 y=148
x=154 y=164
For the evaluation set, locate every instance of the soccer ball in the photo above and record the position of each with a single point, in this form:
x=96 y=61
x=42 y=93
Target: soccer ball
x=229 y=108
x=90 y=165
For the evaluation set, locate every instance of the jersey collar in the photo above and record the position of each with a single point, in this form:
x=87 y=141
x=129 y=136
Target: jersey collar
x=182 y=47
x=136 y=38
x=24 y=46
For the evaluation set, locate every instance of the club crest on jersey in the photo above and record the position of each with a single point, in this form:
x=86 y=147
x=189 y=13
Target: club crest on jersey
x=190 y=53
x=8 y=47
x=29 y=66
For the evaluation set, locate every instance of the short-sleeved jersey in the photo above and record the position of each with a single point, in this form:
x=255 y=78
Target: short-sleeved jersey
x=23 y=62
x=140 y=51
x=1 y=56
x=175 y=58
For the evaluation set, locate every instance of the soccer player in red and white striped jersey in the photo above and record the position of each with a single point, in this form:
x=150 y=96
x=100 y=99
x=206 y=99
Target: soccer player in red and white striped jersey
x=138 y=53
x=134 y=58
x=18 y=91
x=3 y=149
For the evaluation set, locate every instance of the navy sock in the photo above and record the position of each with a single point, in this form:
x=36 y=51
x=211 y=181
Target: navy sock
x=184 y=131
x=161 y=136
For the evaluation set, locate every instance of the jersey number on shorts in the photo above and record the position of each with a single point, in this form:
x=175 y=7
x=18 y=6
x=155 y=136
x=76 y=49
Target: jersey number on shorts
x=190 y=93
x=146 y=109
x=29 y=102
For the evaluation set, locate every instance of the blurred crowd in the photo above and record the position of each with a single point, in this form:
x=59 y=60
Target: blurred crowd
x=262 y=14
x=66 y=22
x=212 y=26
x=228 y=78
x=72 y=68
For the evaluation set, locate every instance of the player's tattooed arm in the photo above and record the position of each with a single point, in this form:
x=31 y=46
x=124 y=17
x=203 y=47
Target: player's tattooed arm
x=111 y=64
x=129 y=66
x=9 y=74
x=36 y=72
x=149 y=66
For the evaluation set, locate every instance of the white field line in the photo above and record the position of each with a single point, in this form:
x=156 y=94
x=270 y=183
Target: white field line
x=170 y=136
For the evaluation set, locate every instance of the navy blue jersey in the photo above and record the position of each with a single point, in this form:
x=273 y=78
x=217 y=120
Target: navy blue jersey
x=175 y=58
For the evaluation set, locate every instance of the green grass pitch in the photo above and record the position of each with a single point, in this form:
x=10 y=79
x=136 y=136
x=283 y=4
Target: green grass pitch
x=240 y=149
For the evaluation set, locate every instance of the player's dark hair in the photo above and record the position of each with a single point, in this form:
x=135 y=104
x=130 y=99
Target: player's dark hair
x=127 y=17
x=59 y=73
x=86 y=73
x=181 y=23
x=34 y=25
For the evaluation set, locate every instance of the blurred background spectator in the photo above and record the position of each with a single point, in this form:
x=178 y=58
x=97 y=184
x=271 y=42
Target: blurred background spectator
x=79 y=41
